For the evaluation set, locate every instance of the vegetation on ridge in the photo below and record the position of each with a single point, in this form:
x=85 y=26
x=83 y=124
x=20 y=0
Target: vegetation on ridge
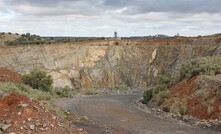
x=210 y=65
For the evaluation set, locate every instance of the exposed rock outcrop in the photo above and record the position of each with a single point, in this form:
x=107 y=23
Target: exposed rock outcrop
x=103 y=63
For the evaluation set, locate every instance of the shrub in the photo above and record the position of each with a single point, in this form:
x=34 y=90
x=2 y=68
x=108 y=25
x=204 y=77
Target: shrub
x=163 y=94
x=147 y=96
x=38 y=79
x=64 y=92
x=182 y=108
x=170 y=79
x=116 y=43
x=121 y=87
x=166 y=109
x=90 y=91
x=159 y=88
x=210 y=110
x=161 y=97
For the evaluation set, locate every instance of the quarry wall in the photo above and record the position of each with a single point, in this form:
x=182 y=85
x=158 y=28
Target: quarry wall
x=104 y=63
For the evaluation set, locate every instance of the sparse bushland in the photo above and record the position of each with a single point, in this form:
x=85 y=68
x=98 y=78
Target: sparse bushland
x=210 y=65
x=37 y=84
x=25 y=90
x=199 y=66
x=39 y=95
x=43 y=91
x=28 y=39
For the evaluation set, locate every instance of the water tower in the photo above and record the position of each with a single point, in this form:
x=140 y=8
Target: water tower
x=115 y=34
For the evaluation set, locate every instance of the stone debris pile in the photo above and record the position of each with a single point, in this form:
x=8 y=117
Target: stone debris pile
x=20 y=114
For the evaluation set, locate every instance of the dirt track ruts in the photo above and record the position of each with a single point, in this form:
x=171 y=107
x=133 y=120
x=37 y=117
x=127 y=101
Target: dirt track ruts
x=119 y=112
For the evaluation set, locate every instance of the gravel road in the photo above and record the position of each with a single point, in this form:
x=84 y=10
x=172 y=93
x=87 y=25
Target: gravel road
x=118 y=114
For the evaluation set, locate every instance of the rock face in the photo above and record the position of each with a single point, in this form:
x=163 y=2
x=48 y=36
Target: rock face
x=102 y=63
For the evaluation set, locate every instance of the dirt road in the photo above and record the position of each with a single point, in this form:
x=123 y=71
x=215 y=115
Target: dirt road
x=118 y=114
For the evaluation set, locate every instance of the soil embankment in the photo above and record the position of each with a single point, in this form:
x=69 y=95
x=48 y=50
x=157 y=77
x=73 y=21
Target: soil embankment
x=9 y=76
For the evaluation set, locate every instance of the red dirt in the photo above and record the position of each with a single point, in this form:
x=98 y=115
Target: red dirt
x=196 y=104
x=9 y=76
x=184 y=88
x=22 y=112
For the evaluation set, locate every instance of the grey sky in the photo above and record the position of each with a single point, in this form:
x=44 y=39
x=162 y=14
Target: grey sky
x=103 y=17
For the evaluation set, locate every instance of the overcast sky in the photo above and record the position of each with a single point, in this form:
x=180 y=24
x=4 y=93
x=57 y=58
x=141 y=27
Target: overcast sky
x=103 y=17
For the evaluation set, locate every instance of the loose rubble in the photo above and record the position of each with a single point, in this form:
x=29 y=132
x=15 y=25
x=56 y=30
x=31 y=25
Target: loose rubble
x=181 y=119
x=20 y=114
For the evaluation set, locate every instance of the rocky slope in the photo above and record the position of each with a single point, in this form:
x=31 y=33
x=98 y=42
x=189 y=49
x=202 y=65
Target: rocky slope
x=108 y=62
x=199 y=96
x=20 y=114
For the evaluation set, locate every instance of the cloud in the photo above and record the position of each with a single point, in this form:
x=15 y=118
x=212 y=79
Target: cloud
x=51 y=7
x=99 y=7
x=102 y=17
x=180 y=6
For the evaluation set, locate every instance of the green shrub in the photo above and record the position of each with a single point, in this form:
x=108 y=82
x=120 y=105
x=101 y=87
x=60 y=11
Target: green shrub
x=163 y=94
x=170 y=79
x=161 y=97
x=38 y=79
x=147 y=96
x=66 y=92
x=181 y=108
x=159 y=88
